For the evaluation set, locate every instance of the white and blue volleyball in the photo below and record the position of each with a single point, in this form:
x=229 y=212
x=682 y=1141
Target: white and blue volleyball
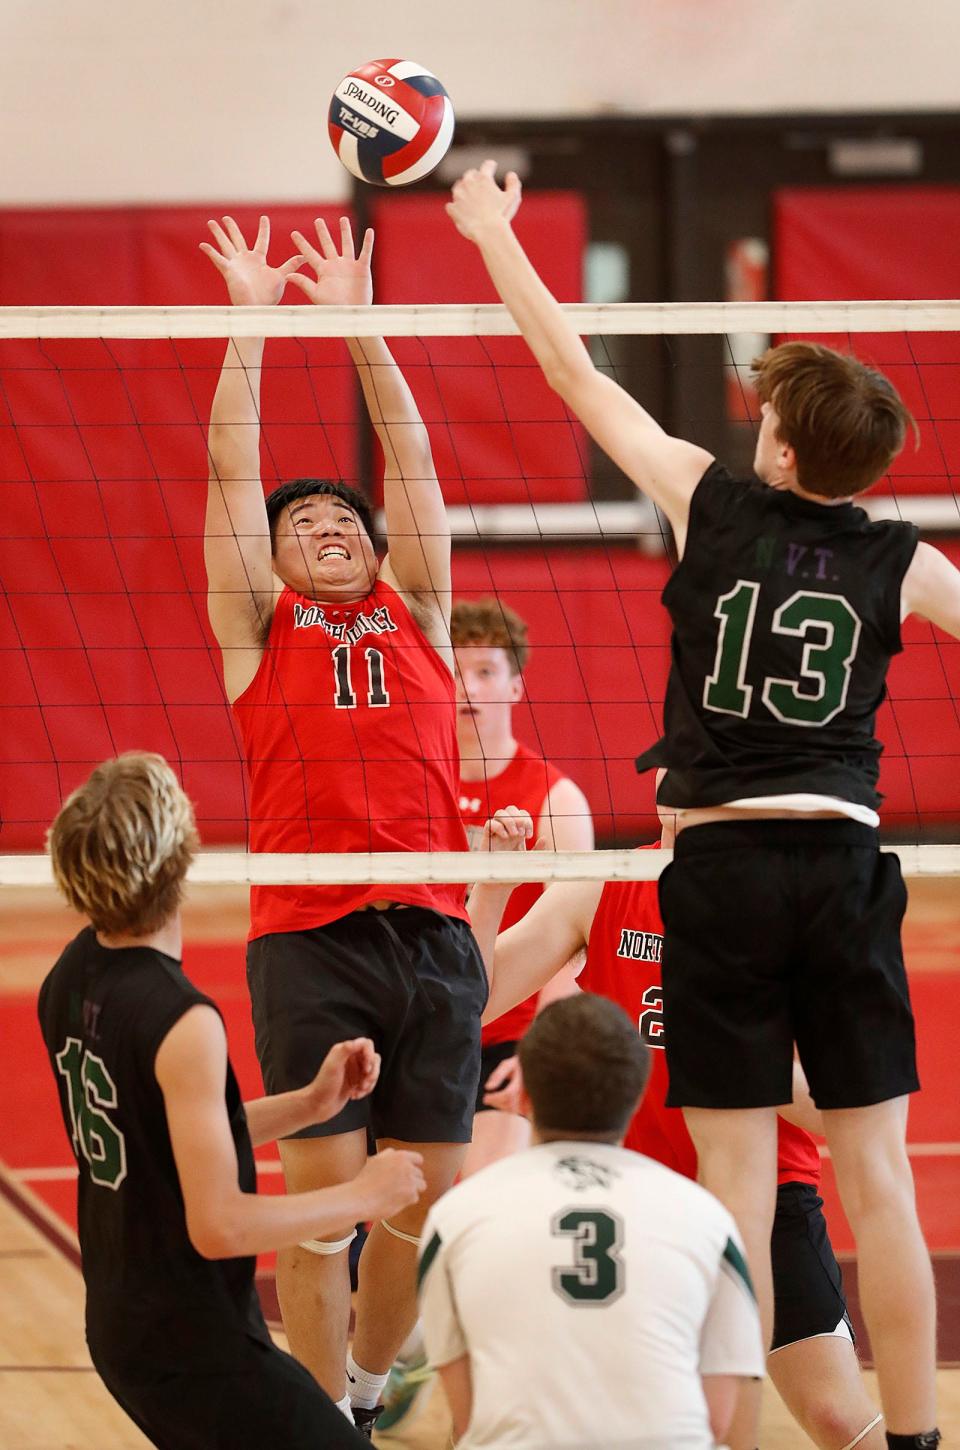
x=391 y=122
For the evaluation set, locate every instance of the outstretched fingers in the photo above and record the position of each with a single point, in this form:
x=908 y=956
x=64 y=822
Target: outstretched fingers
x=226 y=246
x=217 y=258
x=346 y=238
x=327 y=246
x=308 y=251
x=235 y=234
x=263 y=236
x=366 y=251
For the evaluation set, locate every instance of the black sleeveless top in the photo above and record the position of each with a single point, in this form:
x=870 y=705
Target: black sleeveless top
x=154 y=1305
x=786 y=614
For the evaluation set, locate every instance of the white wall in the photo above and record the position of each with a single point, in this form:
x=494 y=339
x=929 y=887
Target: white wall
x=177 y=100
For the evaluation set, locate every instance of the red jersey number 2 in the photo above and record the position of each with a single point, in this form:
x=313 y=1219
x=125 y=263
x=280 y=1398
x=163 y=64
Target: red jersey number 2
x=344 y=695
x=651 y=1017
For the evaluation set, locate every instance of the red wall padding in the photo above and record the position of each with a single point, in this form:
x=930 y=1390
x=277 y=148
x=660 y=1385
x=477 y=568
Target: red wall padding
x=103 y=631
x=871 y=242
x=500 y=435
x=104 y=644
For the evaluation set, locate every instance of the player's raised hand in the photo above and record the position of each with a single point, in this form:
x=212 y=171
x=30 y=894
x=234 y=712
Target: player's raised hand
x=392 y=1179
x=343 y=278
x=251 y=281
x=503 y=1089
x=479 y=202
x=349 y=1071
x=508 y=829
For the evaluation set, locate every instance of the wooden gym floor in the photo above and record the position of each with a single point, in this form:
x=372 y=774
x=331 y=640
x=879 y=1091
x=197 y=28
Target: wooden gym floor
x=50 y=1397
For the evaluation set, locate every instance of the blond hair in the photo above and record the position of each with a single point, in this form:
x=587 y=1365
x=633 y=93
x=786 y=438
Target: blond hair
x=121 y=844
x=490 y=622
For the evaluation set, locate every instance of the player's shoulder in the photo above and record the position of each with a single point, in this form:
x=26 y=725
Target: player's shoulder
x=719 y=490
x=59 y=981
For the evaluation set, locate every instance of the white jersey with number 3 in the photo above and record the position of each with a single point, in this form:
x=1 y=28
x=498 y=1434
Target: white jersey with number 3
x=591 y=1289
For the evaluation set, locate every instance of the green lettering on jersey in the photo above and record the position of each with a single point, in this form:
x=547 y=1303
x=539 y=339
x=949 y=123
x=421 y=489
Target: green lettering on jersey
x=597 y=1273
x=827 y=659
x=91 y=1090
x=830 y=629
x=725 y=690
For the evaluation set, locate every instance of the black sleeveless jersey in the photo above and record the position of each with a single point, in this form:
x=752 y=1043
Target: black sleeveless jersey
x=154 y=1305
x=786 y=614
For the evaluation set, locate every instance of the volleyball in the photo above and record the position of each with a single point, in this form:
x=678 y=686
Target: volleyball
x=391 y=122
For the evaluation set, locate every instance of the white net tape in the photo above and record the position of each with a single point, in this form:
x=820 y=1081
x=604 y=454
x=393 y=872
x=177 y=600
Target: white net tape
x=675 y=319
x=226 y=868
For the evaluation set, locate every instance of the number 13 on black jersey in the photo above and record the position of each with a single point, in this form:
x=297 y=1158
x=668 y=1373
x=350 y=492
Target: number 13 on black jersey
x=829 y=627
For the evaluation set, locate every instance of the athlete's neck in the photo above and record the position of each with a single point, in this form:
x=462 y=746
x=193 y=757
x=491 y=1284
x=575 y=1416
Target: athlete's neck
x=790 y=485
x=167 y=938
x=483 y=755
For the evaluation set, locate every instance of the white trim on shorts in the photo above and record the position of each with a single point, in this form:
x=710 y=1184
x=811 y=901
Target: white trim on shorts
x=842 y=1331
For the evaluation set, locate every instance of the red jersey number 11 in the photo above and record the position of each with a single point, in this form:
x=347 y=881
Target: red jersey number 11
x=344 y=696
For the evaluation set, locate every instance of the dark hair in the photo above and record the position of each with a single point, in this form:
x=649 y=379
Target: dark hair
x=297 y=488
x=845 y=422
x=488 y=621
x=584 y=1067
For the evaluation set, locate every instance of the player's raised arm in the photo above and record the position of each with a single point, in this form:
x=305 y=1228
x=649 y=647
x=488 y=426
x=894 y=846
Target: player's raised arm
x=240 y=584
x=418 y=534
x=667 y=469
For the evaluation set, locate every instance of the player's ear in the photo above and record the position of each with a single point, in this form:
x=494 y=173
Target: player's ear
x=786 y=457
x=516 y=688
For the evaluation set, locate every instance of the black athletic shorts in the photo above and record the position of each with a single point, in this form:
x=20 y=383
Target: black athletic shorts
x=807 y=1283
x=491 y=1057
x=409 y=978
x=269 y=1399
x=779 y=932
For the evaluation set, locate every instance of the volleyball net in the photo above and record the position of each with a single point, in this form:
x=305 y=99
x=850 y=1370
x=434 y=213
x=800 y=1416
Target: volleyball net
x=103 y=631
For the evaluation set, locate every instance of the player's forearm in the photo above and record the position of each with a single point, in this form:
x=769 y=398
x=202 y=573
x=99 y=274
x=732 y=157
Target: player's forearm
x=247 y=1223
x=234 y=436
x=486 y=904
x=547 y=330
x=276 y=1117
x=392 y=409
x=523 y=964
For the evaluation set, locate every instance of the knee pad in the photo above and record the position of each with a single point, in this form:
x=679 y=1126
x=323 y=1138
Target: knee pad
x=323 y=1247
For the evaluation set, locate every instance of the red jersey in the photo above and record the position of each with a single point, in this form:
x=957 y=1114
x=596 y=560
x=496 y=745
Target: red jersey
x=525 y=783
x=623 y=964
x=350 y=736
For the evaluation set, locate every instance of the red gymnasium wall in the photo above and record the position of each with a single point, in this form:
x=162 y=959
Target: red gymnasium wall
x=104 y=640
